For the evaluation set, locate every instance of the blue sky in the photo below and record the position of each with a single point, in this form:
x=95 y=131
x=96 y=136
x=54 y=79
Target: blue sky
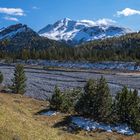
x=38 y=13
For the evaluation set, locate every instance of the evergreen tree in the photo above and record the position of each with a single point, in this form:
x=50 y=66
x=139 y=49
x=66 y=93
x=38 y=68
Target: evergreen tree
x=96 y=100
x=1 y=77
x=65 y=101
x=122 y=105
x=134 y=111
x=19 y=80
x=70 y=99
x=86 y=104
x=128 y=108
x=56 y=99
x=103 y=100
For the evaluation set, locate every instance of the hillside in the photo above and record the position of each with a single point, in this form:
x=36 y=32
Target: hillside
x=126 y=47
x=19 y=122
x=21 y=42
x=123 y=48
x=17 y=37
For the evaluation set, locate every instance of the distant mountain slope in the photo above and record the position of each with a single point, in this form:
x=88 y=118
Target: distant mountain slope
x=76 y=32
x=15 y=30
x=20 y=41
x=128 y=41
x=20 y=36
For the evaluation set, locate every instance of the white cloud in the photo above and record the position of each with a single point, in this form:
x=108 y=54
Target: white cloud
x=11 y=19
x=128 y=12
x=12 y=11
x=35 y=8
x=92 y=23
x=105 y=21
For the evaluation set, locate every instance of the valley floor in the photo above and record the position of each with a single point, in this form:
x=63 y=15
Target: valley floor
x=41 y=81
x=19 y=121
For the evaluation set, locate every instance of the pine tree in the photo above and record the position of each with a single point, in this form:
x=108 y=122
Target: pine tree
x=134 y=111
x=86 y=104
x=128 y=108
x=103 y=100
x=56 y=100
x=19 y=80
x=70 y=99
x=122 y=105
x=1 y=77
x=96 y=100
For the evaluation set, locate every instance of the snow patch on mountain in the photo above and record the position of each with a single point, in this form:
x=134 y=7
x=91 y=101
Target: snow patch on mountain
x=2 y=29
x=82 y=30
x=13 y=30
x=11 y=34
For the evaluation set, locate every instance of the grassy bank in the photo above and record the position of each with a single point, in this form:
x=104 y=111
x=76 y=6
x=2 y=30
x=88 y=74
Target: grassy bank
x=19 y=122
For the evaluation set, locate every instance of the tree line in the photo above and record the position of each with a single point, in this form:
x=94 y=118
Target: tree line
x=124 y=48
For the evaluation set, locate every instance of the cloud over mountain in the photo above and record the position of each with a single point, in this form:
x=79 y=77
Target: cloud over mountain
x=12 y=11
x=11 y=18
x=128 y=12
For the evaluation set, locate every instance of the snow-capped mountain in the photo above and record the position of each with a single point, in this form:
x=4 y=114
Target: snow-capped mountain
x=19 y=36
x=14 y=30
x=76 y=32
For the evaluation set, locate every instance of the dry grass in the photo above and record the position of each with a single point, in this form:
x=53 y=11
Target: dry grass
x=19 y=122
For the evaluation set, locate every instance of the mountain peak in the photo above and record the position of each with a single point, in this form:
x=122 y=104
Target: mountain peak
x=12 y=30
x=76 y=32
x=66 y=19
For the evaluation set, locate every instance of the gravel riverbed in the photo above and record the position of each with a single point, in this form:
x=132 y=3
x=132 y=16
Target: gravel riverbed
x=41 y=83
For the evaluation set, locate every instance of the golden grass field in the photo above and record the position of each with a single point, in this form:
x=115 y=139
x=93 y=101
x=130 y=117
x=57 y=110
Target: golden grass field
x=19 y=122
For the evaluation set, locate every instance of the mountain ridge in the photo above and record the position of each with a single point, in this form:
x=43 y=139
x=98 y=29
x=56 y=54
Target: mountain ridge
x=20 y=36
x=67 y=31
x=29 y=45
x=81 y=31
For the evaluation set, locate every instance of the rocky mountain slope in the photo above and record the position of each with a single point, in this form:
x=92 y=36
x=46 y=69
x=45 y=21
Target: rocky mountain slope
x=69 y=31
x=19 y=36
x=14 y=30
x=77 y=32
